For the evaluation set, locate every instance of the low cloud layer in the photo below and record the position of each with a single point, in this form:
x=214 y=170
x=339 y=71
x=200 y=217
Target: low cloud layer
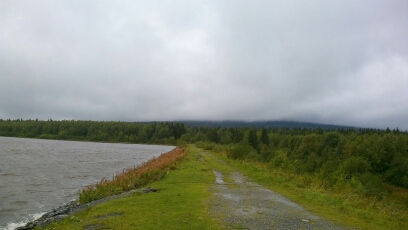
x=337 y=62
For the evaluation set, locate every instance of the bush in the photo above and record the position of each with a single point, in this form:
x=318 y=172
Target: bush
x=398 y=174
x=372 y=185
x=239 y=151
x=353 y=166
x=205 y=145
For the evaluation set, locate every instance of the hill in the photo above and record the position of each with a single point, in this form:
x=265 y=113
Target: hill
x=264 y=124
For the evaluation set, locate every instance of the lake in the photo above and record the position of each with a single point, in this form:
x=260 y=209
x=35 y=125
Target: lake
x=39 y=175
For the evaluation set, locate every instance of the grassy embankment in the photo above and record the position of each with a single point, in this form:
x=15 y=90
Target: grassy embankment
x=180 y=202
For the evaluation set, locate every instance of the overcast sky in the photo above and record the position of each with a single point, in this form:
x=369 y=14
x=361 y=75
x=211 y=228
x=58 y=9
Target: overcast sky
x=334 y=62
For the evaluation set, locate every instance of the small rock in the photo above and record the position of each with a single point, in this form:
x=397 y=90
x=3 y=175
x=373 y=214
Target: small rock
x=149 y=189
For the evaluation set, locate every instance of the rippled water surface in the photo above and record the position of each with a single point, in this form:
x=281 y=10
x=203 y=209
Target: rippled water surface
x=39 y=175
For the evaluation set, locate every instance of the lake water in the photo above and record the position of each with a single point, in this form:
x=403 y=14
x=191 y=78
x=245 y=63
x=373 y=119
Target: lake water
x=39 y=175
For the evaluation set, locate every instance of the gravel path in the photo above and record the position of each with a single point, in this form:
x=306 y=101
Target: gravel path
x=243 y=204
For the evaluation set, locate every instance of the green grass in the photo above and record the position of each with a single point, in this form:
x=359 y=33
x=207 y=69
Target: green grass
x=181 y=202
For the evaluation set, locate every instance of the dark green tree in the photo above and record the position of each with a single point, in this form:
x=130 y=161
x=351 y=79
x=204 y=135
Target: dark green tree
x=253 y=138
x=264 y=137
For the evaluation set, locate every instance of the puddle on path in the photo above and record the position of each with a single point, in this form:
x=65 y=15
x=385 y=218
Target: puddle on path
x=219 y=178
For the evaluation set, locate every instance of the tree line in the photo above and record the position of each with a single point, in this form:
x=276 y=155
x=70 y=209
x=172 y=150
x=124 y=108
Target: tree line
x=364 y=158
x=98 y=131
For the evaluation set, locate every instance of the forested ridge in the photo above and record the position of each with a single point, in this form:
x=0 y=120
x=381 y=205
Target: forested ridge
x=368 y=160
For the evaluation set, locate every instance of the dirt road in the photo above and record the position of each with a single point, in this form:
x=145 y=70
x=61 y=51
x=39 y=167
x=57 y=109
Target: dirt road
x=243 y=204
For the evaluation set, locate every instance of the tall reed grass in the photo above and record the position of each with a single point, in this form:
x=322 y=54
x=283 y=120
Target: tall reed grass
x=133 y=178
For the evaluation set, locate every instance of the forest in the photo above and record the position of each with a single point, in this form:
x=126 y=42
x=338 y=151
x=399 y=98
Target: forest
x=371 y=161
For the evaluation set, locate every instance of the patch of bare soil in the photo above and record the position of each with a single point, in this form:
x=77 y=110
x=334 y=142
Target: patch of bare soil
x=243 y=204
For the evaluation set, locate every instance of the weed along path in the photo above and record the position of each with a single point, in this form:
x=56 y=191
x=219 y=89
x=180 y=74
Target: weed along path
x=241 y=204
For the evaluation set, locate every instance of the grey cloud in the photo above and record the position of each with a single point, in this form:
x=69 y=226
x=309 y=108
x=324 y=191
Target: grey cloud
x=319 y=61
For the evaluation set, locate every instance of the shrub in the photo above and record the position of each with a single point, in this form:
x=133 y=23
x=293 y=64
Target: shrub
x=239 y=151
x=372 y=185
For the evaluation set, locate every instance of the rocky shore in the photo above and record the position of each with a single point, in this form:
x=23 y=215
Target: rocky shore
x=54 y=215
x=71 y=208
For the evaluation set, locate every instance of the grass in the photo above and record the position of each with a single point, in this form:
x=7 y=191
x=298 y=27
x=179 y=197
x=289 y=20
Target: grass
x=181 y=202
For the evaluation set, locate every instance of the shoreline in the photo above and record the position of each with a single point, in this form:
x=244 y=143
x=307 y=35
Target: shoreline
x=46 y=186
x=72 y=207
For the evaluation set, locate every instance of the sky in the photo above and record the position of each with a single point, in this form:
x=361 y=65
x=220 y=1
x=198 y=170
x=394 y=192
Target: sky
x=329 y=61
